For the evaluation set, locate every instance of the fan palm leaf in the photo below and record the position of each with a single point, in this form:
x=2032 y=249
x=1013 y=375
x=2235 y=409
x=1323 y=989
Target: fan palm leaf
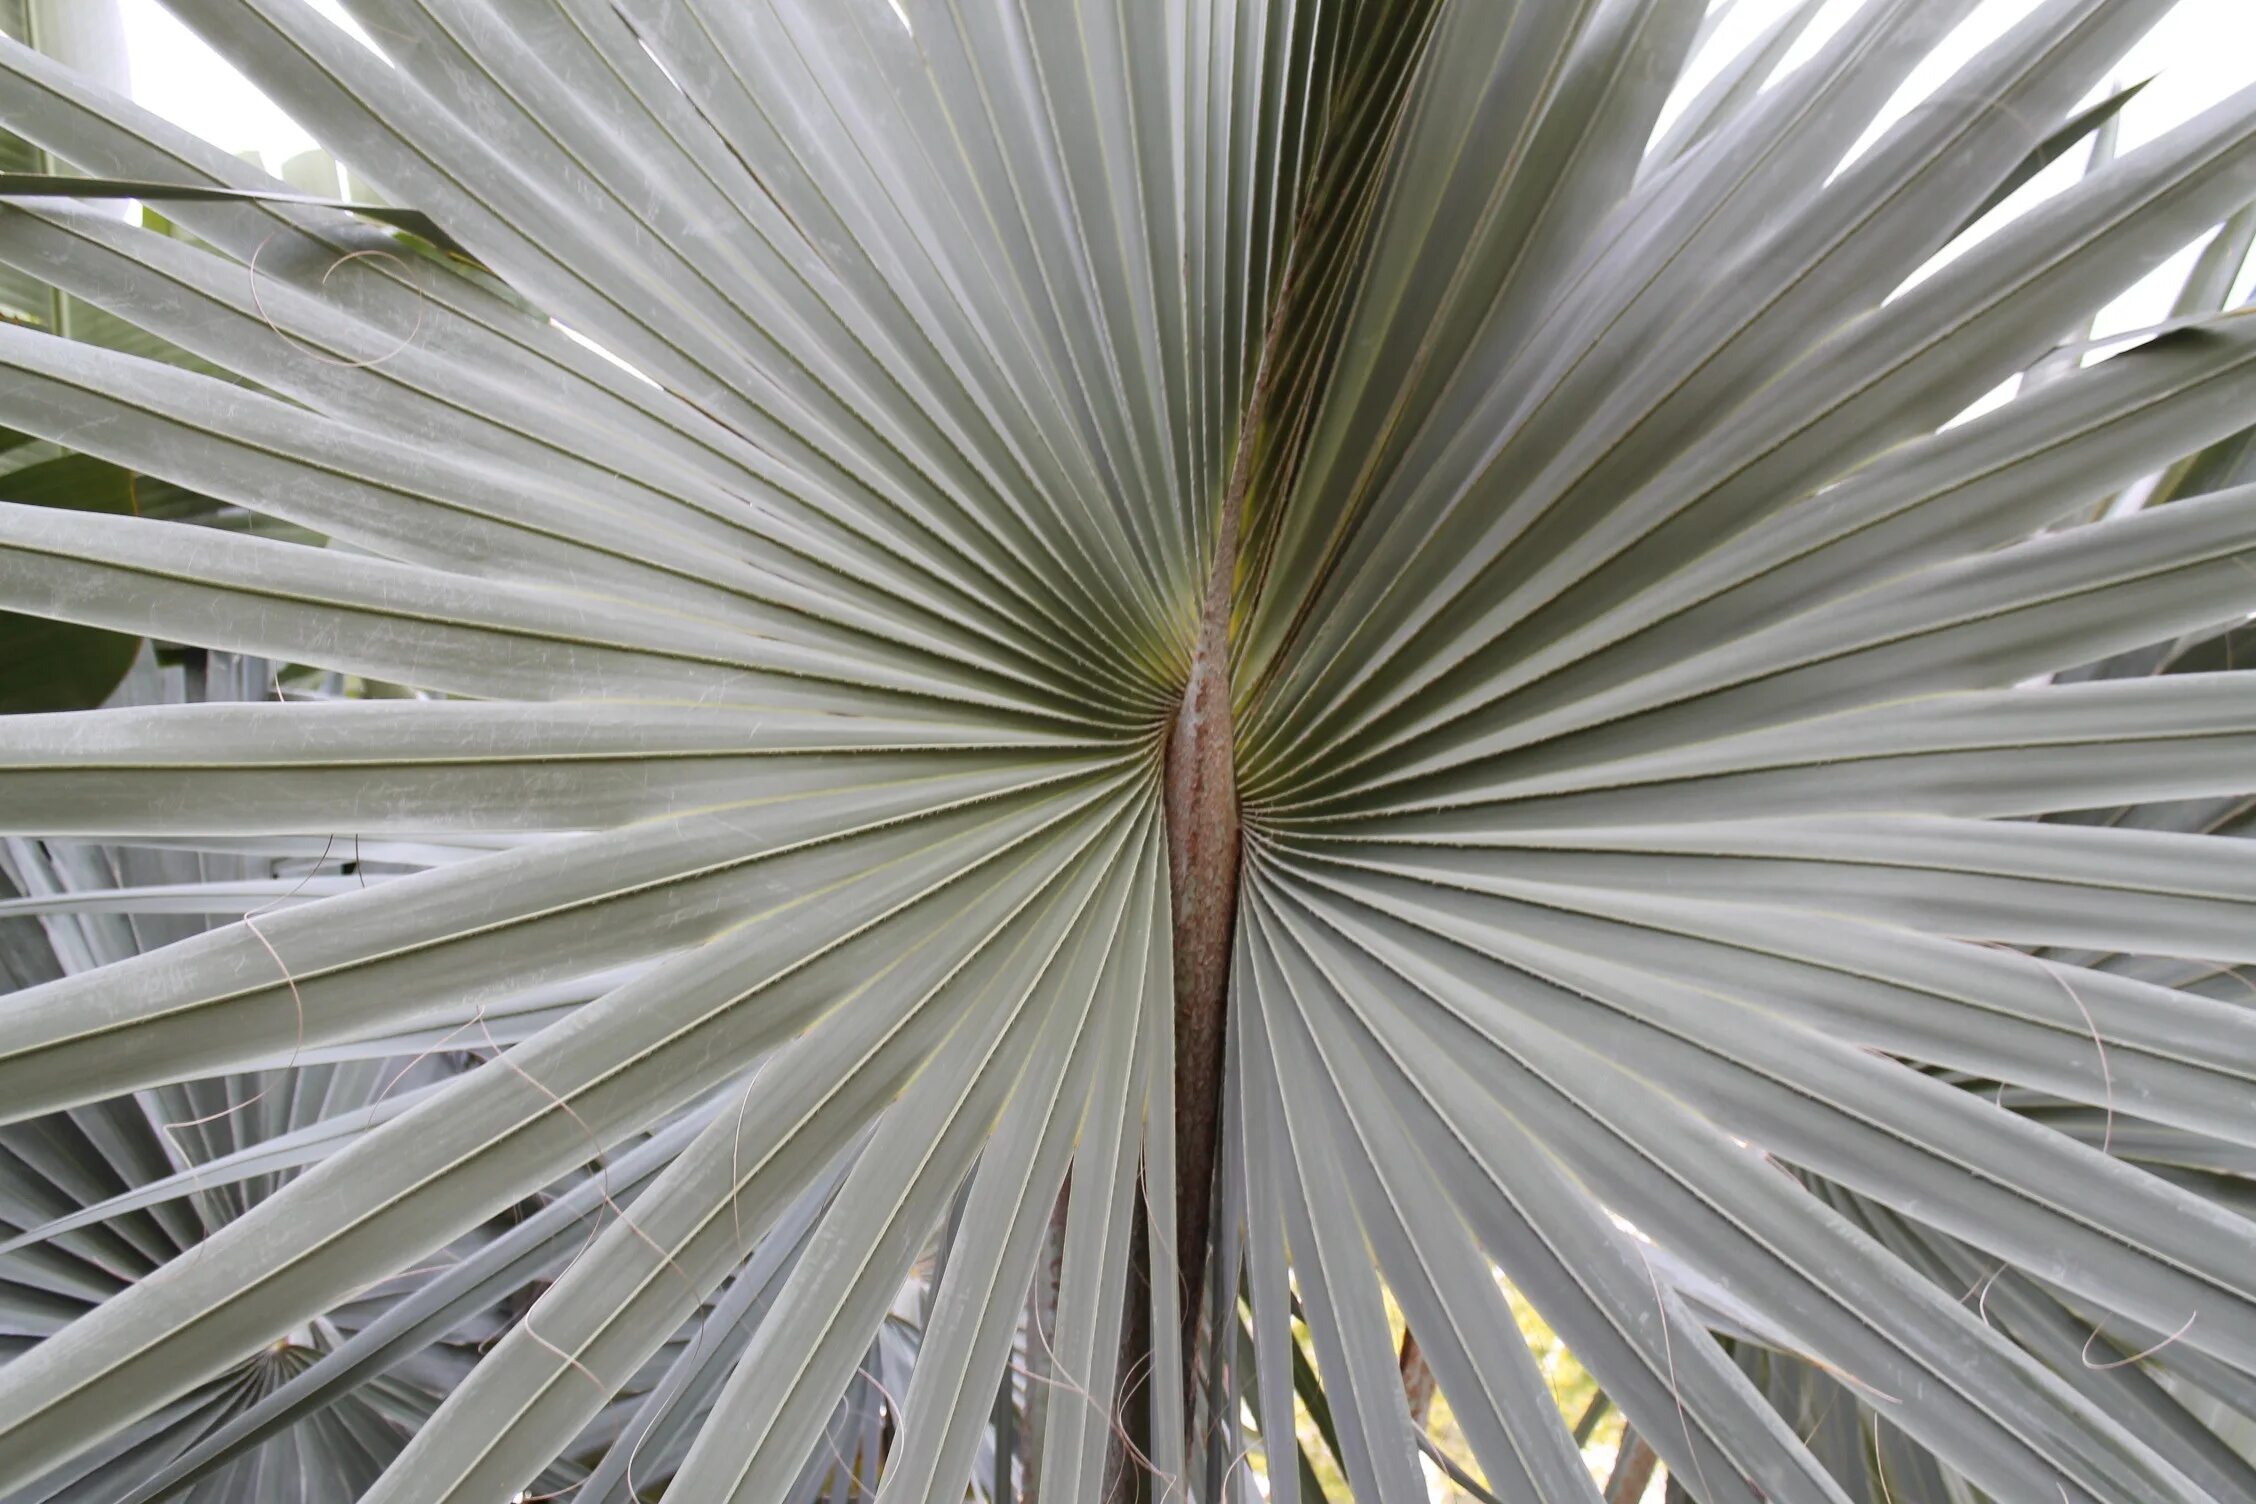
x=1223 y=658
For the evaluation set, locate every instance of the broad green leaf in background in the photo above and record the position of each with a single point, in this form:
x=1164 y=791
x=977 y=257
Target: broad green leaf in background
x=54 y=665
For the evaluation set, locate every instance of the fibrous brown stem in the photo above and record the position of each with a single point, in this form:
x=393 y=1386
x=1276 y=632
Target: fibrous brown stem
x=1202 y=877
x=1633 y=1470
x=1202 y=872
x=1418 y=1383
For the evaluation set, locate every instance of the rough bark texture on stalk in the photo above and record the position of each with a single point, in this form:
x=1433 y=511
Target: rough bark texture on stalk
x=1202 y=873
x=1203 y=857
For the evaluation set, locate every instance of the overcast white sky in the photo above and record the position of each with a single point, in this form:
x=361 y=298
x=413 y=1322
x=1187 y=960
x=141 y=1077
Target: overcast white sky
x=2203 y=51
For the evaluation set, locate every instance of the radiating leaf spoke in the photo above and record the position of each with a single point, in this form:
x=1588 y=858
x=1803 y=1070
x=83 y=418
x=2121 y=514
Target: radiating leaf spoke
x=740 y=605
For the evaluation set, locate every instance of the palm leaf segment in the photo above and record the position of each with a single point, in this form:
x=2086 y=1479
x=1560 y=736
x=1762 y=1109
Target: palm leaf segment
x=113 y=1190
x=1641 y=702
